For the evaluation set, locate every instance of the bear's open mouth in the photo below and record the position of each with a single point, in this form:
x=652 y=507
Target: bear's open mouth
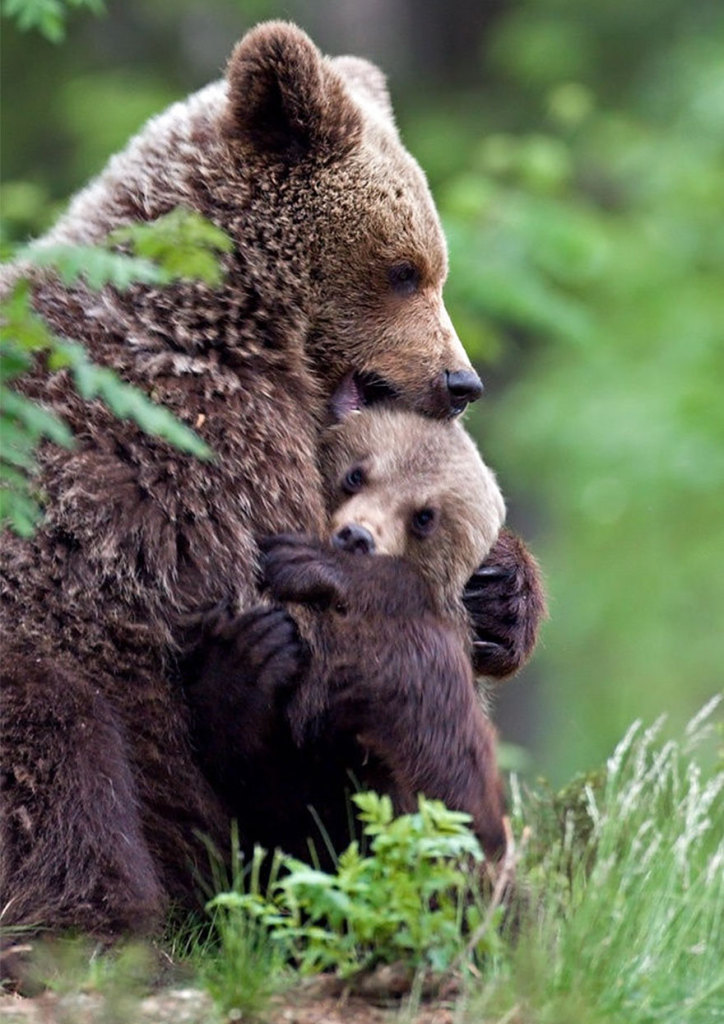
x=358 y=390
x=373 y=388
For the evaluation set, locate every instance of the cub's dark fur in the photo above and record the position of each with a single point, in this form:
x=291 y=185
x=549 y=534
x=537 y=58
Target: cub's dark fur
x=386 y=693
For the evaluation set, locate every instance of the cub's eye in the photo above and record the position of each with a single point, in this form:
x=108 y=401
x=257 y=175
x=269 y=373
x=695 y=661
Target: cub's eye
x=353 y=481
x=404 y=278
x=423 y=522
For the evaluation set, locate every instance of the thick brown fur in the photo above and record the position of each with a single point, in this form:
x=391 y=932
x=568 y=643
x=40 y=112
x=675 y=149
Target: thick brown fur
x=382 y=467
x=386 y=693
x=399 y=713
x=298 y=160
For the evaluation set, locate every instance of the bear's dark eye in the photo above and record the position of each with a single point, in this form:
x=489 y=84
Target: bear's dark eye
x=353 y=481
x=404 y=278
x=423 y=522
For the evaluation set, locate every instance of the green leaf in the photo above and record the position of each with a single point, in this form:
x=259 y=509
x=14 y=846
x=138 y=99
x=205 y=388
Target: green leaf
x=13 y=362
x=19 y=511
x=16 y=445
x=20 y=325
x=37 y=421
x=47 y=16
x=128 y=402
x=183 y=243
x=12 y=477
x=179 y=245
x=94 y=265
x=401 y=902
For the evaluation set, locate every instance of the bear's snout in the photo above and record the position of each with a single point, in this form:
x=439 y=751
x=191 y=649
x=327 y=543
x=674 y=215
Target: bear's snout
x=354 y=539
x=463 y=386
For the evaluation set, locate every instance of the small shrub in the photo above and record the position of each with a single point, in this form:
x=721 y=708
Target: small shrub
x=409 y=900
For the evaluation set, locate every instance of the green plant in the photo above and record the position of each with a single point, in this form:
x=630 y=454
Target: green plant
x=119 y=976
x=180 y=244
x=408 y=900
x=620 y=918
x=46 y=16
x=241 y=967
x=236 y=959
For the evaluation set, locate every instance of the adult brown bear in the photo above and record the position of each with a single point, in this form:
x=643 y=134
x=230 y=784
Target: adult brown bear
x=337 y=269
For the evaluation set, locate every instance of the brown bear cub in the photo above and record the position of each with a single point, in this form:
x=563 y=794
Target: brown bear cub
x=386 y=691
x=398 y=484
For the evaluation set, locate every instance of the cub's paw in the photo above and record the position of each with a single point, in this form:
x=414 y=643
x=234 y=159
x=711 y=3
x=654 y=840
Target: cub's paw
x=505 y=601
x=262 y=648
x=303 y=570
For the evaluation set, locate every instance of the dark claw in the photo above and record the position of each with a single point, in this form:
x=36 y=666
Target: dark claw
x=266 y=543
x=490 y=659
x=505 y=601
x=491 y=573
x=487 y=647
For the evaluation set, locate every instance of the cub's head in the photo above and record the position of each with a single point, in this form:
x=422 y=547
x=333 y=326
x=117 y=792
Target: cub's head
x=350 y=214
x=398 y=484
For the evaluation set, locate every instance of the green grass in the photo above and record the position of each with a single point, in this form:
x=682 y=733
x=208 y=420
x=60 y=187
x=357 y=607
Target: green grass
x=620 y=880
x=628 y=914
x=241 y=969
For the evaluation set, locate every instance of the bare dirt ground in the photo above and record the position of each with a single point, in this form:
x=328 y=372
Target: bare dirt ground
x=306 y=1005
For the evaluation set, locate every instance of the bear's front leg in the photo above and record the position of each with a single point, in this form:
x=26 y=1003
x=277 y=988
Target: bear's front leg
x=305 y=571
x=319 y=583
x=73 y=850
x=237 y=681
x=506 y=605
x=413 y=706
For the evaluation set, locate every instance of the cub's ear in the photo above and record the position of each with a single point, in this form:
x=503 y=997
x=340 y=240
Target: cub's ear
x=285 y=99
x=368 y=86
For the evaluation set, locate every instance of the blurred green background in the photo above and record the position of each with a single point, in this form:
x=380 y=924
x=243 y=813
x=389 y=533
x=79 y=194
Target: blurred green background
x=576 y=151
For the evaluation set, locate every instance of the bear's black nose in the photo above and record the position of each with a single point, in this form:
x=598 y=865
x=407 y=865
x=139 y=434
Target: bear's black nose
x=355 y=539
x=463 y=386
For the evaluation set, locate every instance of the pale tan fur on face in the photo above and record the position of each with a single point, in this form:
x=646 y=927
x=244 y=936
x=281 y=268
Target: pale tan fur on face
x=409 y=464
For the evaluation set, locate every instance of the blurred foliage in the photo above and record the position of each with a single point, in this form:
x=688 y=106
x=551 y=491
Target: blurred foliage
x=47 y=16
x=579 y=173
x=586 y=258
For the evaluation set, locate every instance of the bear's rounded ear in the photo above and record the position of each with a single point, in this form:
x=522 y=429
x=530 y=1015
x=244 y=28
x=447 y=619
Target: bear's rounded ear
x=285 y=99
x=367 y=84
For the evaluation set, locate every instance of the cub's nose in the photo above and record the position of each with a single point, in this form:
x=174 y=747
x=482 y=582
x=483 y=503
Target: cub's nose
x=355 y=539
x=463 y=386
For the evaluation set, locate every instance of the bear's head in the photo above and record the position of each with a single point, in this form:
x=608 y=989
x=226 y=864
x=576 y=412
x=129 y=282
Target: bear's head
x=348 y=211
x=398 y=484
